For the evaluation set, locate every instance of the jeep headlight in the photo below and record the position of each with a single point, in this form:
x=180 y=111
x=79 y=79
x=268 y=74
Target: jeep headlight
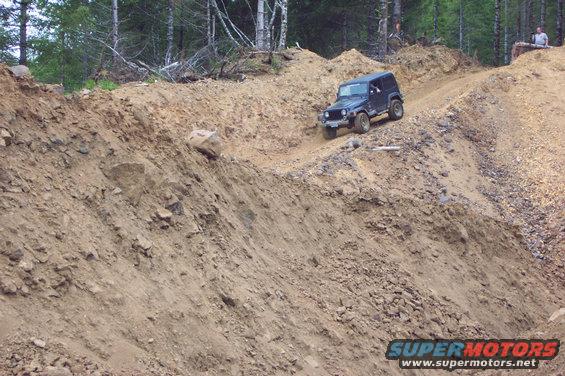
x=326 y=114
x=343 y=112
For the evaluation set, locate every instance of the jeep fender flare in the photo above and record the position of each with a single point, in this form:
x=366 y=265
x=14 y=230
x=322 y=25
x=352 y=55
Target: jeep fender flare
x=393 y=96
x=357 y=112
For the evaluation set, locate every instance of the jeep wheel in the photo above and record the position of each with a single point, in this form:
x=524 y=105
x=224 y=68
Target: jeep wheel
x=330 y=133
x=362 y=123
x=396 y=110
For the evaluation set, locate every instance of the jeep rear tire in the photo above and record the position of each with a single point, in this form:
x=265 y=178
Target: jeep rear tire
x=329 y=133
x=396 y=110
x=362 y=123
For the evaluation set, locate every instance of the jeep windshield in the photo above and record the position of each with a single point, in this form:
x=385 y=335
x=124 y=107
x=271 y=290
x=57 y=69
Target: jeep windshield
x=353 y=90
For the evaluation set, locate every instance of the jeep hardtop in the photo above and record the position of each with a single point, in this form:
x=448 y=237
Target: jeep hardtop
x=362 y=99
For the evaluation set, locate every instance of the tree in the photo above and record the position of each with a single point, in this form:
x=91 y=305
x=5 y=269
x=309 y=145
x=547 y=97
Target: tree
x=396 y=13
x=496 y=58
x=383 y=32
x=559 y=22
x=506 y=36
x=170 y=31
x=24 y=18
x=436 y=19
x=284 y=24
x=461 y=23
x=543 y=13
x=261 y=28
x=115 y=33
x=372 y=28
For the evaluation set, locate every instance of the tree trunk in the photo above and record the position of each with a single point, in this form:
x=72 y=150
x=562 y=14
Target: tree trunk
x=260 y=30
x=24 y=18
x=383 y=31
x=560 y=22
x=461 y=24
x=115 y=36
x=372 y=28
x=530 y=17
x=170 y=31
x=496 y=57
x=214 y=4
x=284 y=24
x=344 y=29
x=85 y=60
x=396 y=15
x=209 y=26
x=543 y=13
x=506 y=41
x=522 y=22
x=182 y=31
x=436 y=19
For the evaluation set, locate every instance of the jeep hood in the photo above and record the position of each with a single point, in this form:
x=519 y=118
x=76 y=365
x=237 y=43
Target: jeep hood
x=349 y=103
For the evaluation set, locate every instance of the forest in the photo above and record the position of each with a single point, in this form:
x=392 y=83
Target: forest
x=69 y=41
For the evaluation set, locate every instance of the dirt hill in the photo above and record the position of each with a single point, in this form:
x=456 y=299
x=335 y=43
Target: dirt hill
x=124 y=251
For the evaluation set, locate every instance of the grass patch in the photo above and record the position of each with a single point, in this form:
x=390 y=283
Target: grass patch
x=102 y=84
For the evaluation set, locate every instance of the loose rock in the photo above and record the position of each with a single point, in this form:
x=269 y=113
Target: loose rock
x=5 y=137
x=206 y=142
x=39 y=343
x=20 y=71
x=164 y=214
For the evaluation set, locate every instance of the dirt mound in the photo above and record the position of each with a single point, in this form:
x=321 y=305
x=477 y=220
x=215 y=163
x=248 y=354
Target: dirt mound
x=124 y=250
x=433 y=62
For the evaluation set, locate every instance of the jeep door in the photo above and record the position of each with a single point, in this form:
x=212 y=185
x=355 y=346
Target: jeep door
x=377 y=97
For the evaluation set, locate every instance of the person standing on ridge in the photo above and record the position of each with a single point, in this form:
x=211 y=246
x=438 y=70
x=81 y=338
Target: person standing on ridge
x=540 y=38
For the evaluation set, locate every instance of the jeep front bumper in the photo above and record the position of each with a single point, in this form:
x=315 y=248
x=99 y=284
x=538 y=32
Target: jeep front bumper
x=345 y=122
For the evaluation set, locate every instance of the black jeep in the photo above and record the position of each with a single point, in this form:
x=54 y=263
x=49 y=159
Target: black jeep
x=360 y=100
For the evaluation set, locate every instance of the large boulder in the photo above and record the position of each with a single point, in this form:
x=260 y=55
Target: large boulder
x=206 y=142
x=20 y=71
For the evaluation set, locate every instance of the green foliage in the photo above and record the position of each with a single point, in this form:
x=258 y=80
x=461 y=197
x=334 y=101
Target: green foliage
x=102 y=84
x=70 y=39
x=276 y=63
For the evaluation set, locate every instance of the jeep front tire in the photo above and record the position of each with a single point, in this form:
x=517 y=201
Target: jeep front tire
x=362 y=123
x=396 y=110
x=330 y=133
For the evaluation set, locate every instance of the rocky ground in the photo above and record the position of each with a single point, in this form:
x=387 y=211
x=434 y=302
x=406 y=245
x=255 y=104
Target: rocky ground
x=125 y=251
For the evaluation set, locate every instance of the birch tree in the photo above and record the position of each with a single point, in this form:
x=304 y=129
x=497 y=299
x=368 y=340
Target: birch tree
x=383 y=31
x=170 y=31
x=372 y=28
x=283 y=4
x=260 y=30
x=115 y=36
x=396 y=13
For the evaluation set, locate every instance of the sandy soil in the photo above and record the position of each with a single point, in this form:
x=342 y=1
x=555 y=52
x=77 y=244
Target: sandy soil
x=123 y=251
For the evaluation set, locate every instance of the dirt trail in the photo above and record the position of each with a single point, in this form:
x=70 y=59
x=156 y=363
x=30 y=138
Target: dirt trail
x=125 y=252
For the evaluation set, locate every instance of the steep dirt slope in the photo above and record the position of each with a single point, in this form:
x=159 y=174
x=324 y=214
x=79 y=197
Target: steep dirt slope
x=122 y=250
x=265 y=116
x=491 y=140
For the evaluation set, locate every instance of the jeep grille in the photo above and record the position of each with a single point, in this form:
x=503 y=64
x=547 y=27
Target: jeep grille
x=335 y=115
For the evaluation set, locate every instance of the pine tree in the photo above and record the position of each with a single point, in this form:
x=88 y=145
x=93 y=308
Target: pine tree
x=24 y=19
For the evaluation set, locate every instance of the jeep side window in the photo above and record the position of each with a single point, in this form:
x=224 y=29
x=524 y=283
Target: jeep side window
x=377 y=86
x=388 y=82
